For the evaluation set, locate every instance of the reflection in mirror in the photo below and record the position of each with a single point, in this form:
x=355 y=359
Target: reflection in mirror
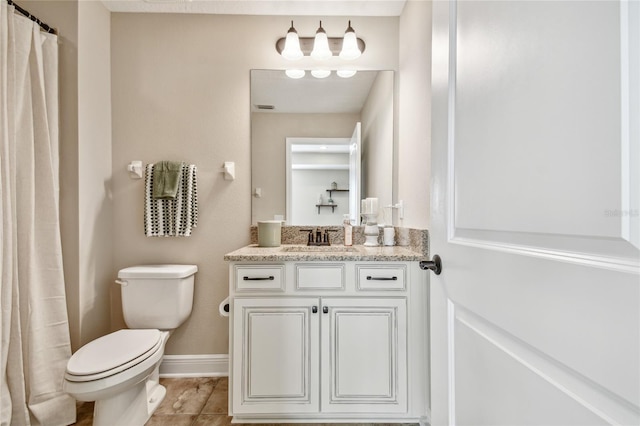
x=285 y=109
x=311 y=163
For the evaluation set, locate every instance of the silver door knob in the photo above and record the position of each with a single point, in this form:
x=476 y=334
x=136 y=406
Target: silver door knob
x=434 y=265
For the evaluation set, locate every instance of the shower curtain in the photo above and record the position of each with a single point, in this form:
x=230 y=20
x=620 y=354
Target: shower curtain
x=34 y=328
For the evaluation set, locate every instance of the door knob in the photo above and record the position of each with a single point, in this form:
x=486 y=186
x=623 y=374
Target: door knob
x=434 y=265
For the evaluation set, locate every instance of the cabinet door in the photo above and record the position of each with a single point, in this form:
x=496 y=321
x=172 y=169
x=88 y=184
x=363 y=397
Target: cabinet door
x=364 y=355
x=275 y=351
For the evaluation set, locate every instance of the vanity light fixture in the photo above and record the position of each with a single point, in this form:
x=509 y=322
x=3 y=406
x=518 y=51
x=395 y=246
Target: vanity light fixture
x=321 y=73
x=350 y=49
x=295 y=73
x=291 y=49
x=346 y=73
x=320 y=47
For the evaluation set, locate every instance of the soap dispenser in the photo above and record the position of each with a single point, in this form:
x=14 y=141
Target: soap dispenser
x=348 y=231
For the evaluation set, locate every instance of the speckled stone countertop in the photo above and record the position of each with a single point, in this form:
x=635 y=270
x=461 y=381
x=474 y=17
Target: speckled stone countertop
x=412 y=246
x=297 y=252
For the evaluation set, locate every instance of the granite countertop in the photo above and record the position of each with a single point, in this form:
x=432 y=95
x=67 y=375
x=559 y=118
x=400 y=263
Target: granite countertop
x=298 y=252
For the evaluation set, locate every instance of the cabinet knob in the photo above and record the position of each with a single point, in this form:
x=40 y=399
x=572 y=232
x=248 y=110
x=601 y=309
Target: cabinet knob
x=325 y=309
x=314 y=309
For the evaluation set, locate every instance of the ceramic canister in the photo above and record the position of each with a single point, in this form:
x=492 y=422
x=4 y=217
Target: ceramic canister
x=269 y=233
x=389 y=236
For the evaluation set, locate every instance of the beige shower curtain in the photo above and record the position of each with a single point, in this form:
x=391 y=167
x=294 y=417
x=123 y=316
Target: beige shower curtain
x=34 y=329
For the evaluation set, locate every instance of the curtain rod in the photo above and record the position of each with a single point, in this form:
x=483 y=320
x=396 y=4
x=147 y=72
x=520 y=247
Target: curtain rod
x=34 y=18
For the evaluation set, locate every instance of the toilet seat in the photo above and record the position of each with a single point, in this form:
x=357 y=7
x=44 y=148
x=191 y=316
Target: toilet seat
x=113 y=353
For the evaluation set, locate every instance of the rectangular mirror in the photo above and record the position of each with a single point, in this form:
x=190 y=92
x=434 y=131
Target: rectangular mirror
x=297 y=176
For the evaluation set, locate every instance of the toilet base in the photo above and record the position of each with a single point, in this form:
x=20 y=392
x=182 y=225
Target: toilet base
x=132 y=407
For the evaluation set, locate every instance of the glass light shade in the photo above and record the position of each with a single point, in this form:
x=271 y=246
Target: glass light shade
x=346 y=73
x=291 y=49
x=295 y=73
x=350 y=49
x=321 y=73
x=321 y=49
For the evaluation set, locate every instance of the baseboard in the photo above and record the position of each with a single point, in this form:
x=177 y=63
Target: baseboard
x=195 y=366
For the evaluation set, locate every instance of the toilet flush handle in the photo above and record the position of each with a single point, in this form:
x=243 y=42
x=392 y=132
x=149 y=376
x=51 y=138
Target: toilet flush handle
x=122 y=283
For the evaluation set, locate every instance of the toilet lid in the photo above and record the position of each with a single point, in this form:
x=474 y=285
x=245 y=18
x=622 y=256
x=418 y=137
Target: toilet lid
x=158 y=271
x=113 y=350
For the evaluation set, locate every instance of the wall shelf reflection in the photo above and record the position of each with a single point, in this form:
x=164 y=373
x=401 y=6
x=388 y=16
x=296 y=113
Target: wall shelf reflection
x=330 y=191
x=333 y=206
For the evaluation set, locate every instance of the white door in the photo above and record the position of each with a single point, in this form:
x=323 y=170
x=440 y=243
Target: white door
x=355 y=181
x=276 y=347
x=535 y=187
x=364 y=355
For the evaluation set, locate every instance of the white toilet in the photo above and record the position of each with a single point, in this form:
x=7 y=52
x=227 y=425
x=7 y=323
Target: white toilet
x=119 y=371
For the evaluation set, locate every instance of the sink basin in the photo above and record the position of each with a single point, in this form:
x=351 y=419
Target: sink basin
x=318 y=249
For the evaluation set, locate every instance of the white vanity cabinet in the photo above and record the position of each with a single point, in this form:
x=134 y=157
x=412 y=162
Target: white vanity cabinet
x=363 y=355
x=276 y=355
x=327 y=342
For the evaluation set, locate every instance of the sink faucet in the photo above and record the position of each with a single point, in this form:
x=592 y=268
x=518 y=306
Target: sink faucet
x=320 y=238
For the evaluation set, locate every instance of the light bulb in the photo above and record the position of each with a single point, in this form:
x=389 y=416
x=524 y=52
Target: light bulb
x=321 y=49
x=321 y=73
x=350 y=49
x=295 y=73
x=291 y=49
x=346 y=73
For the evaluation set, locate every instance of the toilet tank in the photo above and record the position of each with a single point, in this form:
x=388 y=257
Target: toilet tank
x=157 y=296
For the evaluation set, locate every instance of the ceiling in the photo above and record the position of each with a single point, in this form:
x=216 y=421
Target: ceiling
x=262 y=7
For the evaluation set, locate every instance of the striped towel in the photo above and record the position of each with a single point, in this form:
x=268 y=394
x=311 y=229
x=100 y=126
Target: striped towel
x=171 y=217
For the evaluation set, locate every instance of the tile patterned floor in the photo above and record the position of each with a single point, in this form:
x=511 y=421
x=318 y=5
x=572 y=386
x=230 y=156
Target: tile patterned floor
x=189 y=402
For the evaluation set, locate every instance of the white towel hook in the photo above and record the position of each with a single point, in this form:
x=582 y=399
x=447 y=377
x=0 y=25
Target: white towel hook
x=135 y=169
x=229 y=170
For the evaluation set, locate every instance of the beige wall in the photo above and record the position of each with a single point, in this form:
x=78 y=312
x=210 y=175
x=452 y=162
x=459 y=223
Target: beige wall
x=268 y=133
x=95 y=263
x=414 y=125
x=377 y=141
x=180 y=90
